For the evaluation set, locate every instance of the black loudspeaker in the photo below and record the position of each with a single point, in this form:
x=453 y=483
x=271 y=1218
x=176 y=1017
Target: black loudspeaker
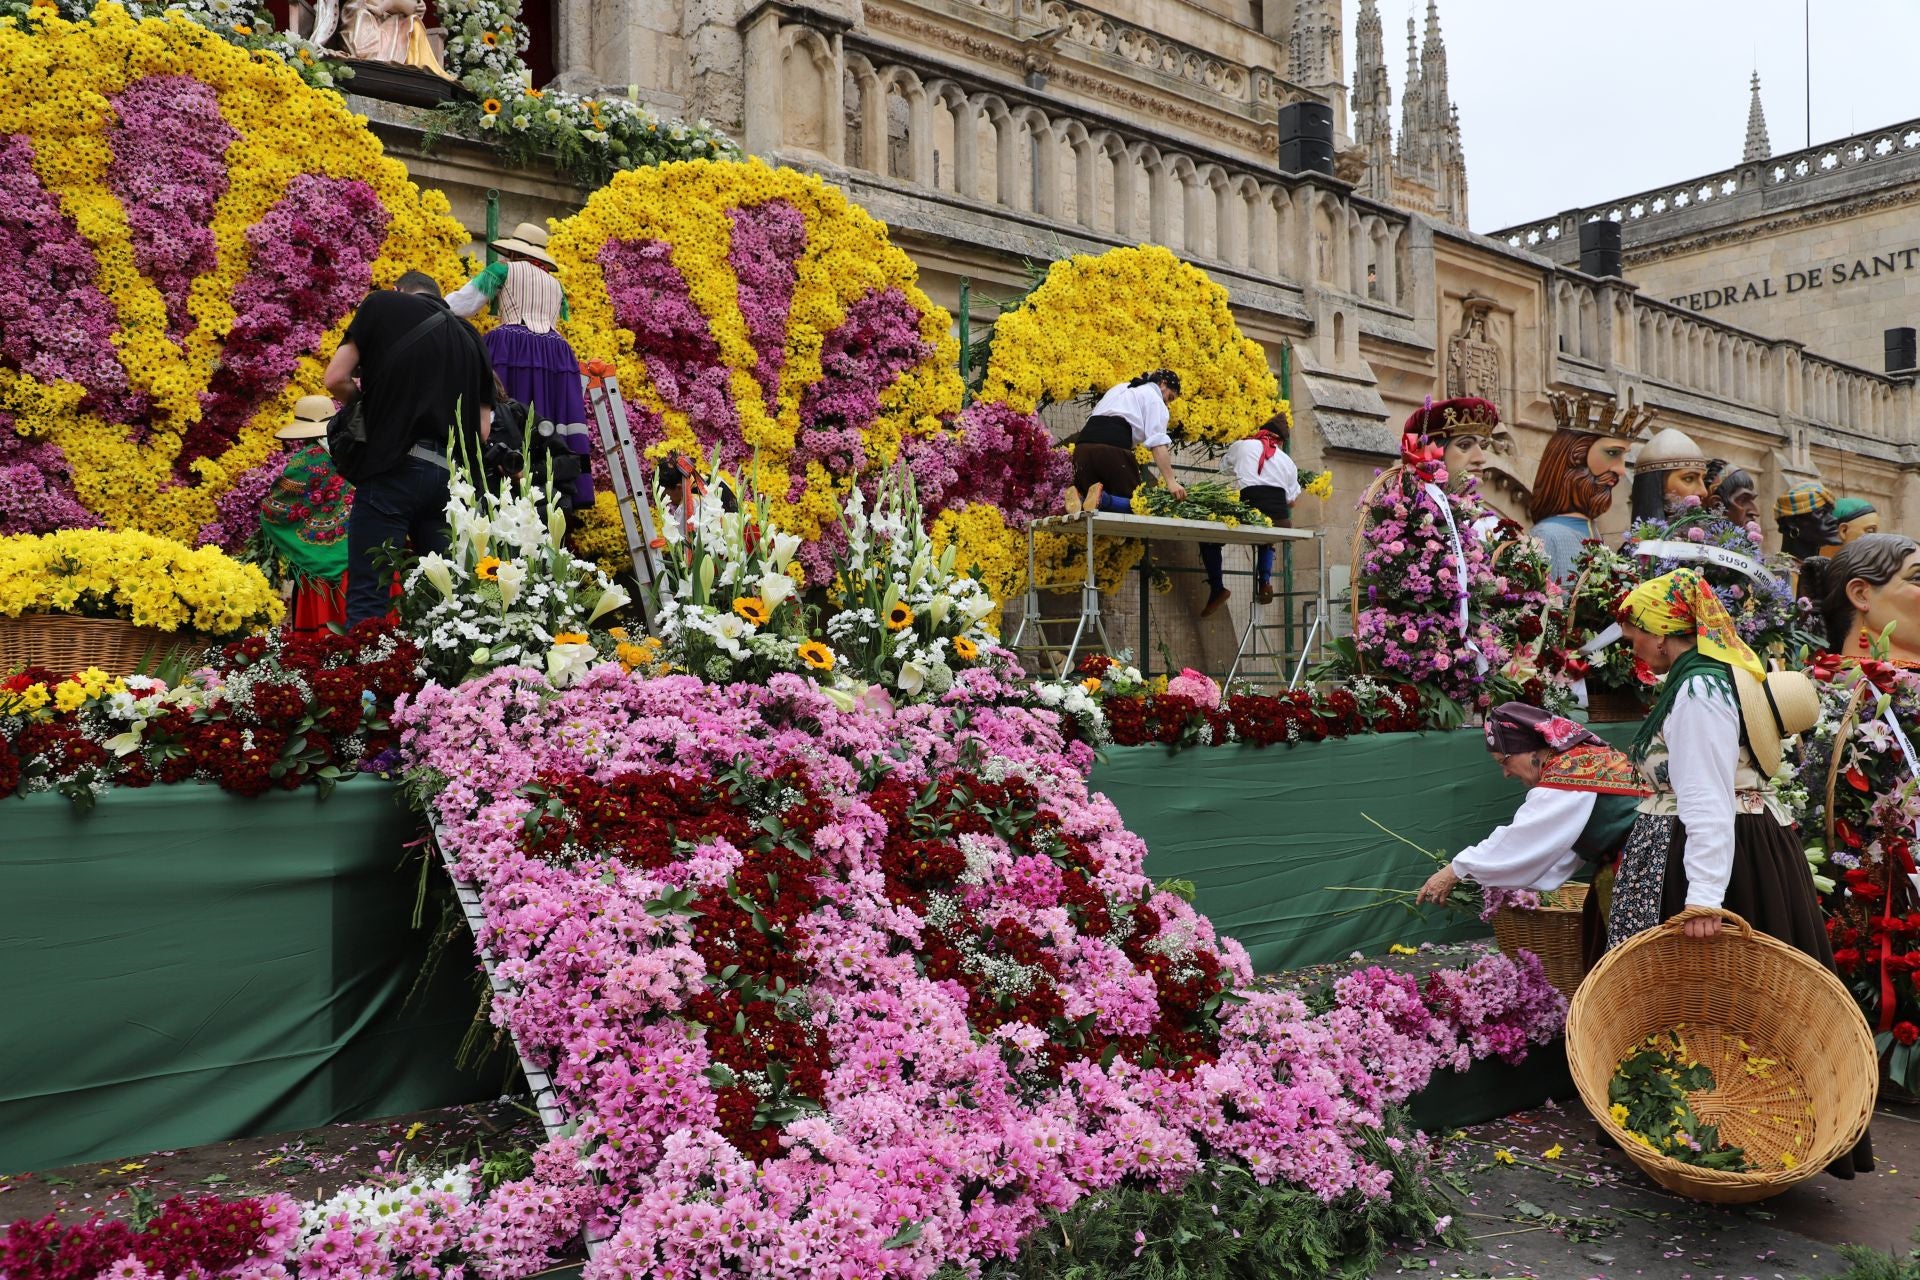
x=1312 y=119
x=1306 y=155
x=1600 y=248
x=1903 y=352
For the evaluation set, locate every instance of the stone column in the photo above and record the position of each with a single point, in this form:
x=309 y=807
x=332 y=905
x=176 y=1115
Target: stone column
x=762 y=91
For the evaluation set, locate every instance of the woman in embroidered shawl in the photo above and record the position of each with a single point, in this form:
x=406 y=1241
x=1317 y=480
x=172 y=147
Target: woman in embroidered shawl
x=1712 y=834
x=1582 y=797
x=303 y=520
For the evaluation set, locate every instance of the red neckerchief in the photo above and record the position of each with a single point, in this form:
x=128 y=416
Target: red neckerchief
x=1269 y=445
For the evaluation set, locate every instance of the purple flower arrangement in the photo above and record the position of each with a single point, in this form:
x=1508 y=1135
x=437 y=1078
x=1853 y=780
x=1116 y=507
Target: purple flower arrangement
x=960 y=1005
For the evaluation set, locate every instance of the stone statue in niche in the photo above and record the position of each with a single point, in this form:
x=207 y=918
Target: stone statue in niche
x=389 y=31
x=1473 y=359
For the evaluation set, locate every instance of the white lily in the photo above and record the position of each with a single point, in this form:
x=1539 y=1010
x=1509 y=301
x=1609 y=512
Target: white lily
x=912 y=679
x=785 y=545
x=614 y=597
x=512 y=575
x=567 y=663
x=774 y=589
x=438 y=570
x=937 y=609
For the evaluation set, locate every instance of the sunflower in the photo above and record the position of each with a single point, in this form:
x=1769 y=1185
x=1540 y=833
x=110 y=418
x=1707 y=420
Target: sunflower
x=816 y=655
x=489 y=39
x=488 y=568
x=899 y=618
x=570 y=637
x=753 y=609
x=491 y=106
x=965 y=649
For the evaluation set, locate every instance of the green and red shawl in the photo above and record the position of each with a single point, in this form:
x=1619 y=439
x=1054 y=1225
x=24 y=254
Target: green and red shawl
x=304 y=516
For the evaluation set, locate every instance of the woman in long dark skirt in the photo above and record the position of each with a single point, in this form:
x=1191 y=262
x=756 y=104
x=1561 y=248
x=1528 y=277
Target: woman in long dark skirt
x=1713 y=834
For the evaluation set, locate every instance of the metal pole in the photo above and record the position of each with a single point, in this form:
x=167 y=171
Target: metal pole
x=1146 y=598
x=966 y=330
x=493 y=221
x=1806 y=49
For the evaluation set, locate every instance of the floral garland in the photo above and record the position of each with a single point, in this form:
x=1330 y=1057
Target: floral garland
x=1525 y=605
x=1872 y=909
x=267 y=712
x=1763 y=607
x=148 y=581
x=179 y=252
x=1096 y=321
x=760 y=323
x=1602 y=579
x=863 y=955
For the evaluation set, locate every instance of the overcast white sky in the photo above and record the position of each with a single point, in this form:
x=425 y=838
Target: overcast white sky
x=1571 y=102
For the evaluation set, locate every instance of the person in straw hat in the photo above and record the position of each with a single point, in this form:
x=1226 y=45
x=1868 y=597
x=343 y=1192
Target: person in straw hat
x=535 y=365
x=1582 y=799
x=1713 y=834
x=303 y=519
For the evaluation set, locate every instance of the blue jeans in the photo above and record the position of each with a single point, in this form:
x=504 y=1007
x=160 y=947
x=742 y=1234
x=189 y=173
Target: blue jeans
x=1216 y=574
x=1118 y=502
x=404 y=507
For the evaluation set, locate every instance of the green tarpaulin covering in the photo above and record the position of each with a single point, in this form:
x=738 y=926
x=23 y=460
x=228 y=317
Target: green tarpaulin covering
x=184 y=966
x=1265 y=832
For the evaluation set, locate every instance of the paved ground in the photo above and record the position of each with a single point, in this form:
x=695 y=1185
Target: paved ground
x=1588 y=1214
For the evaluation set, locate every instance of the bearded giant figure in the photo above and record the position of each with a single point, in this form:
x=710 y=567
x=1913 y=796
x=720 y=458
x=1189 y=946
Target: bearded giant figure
x=1584 y=462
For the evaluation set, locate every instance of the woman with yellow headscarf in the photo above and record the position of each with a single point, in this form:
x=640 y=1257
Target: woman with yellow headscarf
x=1713 y=834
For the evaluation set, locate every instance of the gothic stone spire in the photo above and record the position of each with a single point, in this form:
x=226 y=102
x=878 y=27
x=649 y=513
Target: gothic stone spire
x=1758 y=148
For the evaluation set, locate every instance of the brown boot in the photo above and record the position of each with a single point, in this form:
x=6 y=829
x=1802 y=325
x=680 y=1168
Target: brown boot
x=1219 y=597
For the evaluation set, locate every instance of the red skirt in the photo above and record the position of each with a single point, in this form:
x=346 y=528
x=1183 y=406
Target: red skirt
x=316 y=604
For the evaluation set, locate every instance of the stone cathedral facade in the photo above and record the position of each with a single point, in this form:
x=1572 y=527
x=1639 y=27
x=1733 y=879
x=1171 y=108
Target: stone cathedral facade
x=994 y=134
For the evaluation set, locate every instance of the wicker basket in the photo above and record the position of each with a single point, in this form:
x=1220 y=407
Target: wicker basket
x=1614 y=706
x=1812 y=1104
x=65 y=643
x=1552 y=932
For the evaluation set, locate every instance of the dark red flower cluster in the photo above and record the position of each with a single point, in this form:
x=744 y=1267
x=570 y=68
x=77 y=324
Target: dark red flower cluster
x=202 y=1235
x=749 y=930
x=258 y=731
x=1301 y=715
x=1009 y=972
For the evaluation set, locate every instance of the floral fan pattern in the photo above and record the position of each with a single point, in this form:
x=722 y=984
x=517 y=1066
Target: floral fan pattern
x=759 y=321
x=184 y=231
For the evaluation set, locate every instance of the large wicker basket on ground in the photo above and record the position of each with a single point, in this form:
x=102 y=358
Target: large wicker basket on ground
x=1793 y=1065
x=1551 y=932
x=64 y=643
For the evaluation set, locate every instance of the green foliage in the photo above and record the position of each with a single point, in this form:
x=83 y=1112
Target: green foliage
x=1223 y=1225
x=1652 y=1083
x=1871 y=1264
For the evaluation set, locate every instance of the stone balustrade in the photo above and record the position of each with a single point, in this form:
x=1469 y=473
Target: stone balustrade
x=857 y=103
x=1607 y=328
x=1651 y=208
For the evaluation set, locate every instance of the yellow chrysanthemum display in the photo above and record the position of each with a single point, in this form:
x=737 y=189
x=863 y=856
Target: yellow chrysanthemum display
x=802 y=235
x=1096 y=321
x=59 y=86
x=149 y=581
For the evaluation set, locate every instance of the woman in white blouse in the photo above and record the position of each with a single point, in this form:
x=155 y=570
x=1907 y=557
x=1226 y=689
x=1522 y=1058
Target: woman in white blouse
x=1582 y=799
x=1713 y=834
x=1269 y=482
x=1130 y=415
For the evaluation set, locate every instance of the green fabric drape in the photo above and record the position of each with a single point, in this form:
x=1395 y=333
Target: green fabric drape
x=186 y=966
x=1264 y=832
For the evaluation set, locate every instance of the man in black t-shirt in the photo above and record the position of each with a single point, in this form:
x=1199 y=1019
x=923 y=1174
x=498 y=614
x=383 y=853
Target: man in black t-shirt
x=422 y=382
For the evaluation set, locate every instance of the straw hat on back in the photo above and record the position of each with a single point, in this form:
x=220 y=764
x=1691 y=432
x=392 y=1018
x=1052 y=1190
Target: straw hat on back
x=1778 y=707
x=310 y=417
